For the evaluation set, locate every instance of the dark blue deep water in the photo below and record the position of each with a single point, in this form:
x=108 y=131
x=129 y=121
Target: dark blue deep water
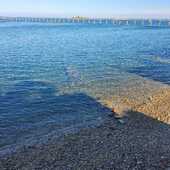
x=52 y=74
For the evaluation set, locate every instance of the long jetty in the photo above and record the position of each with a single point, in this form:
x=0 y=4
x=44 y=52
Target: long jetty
x=123 y=22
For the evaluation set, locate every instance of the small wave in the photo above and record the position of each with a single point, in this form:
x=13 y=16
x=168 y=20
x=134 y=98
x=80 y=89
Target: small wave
x=161 y=60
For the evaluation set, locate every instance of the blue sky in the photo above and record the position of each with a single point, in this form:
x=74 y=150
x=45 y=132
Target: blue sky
x=93 y=8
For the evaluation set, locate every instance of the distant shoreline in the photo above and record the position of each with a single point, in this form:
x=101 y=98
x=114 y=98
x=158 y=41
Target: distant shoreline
x=112 y=21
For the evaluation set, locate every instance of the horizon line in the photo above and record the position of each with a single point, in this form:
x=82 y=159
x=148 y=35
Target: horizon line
x=89 y=17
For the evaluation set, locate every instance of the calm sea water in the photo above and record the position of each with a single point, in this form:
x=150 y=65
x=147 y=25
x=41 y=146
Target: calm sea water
x=51 y=75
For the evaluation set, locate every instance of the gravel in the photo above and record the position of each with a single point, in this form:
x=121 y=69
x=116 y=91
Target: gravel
x=139 y=143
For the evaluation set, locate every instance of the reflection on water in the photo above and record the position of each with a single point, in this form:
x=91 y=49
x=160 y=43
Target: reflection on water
x=52 y=75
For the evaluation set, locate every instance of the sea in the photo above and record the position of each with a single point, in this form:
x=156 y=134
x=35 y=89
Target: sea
x=55 y=77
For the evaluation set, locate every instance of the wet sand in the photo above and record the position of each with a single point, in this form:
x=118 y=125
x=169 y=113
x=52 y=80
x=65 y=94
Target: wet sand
x=140 y=139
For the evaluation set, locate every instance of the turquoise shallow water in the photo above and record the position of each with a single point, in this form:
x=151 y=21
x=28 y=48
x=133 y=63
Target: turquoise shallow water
x=52 y=74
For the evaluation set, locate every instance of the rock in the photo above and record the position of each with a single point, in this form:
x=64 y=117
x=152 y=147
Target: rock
x=113 y=110
x=121 y=121
x=118 y=116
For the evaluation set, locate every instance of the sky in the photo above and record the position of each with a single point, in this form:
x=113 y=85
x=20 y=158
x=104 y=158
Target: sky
x=88 y=8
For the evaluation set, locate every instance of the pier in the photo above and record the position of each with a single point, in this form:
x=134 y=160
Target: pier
x=115 y=22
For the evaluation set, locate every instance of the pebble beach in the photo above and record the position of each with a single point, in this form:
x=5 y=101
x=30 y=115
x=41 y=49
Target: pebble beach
x=138 y=140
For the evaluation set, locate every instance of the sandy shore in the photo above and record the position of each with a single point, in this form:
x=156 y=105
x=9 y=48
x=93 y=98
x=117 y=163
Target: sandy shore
x=156 y=106
x=139 y=140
